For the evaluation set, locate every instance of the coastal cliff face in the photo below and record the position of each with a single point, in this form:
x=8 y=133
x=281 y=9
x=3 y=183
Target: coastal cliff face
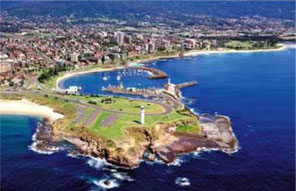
x=158 y=142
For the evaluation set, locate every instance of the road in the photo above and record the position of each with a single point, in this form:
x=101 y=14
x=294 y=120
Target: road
x=167 y=108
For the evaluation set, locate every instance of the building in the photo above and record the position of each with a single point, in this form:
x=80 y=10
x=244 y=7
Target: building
x=74 y=57
x=6 y=67
x=119 y=37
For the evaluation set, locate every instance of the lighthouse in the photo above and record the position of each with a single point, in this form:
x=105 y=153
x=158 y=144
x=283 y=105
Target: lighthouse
x=142 y=113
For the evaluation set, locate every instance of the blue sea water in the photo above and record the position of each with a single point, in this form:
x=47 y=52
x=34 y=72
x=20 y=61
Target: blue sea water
x=256 y=90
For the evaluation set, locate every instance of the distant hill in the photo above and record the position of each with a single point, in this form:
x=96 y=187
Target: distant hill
x=115 y=9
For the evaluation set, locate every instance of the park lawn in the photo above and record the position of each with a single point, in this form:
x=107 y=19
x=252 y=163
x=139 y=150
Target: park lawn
x=240 y=44
x=106 y=132
x=112 y=132
x=115 y=131
x=123 y=104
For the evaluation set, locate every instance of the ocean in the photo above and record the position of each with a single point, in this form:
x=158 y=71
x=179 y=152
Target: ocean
x=256 y=90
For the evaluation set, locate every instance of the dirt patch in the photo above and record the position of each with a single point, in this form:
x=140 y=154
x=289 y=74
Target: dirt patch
x=110 y=120
x=92 y=118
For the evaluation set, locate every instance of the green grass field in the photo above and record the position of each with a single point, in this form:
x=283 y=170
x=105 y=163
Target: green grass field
x=122 y=104
x=115 y=131
x=240 y=44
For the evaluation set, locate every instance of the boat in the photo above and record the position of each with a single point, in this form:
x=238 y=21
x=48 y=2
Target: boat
x=118 y=78
x=105 y=78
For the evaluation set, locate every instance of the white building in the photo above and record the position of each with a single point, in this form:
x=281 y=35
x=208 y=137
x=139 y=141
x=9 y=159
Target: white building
x=119 y=37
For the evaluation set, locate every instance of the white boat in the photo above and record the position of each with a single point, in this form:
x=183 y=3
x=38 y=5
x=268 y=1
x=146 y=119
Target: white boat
x=118 y=78
x=105 y=78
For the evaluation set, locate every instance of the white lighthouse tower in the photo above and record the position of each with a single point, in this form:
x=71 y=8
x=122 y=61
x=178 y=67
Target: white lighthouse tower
x=142 y=113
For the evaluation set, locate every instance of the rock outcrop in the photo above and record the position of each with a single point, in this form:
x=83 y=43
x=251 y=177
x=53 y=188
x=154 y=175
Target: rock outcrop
x=158 y=141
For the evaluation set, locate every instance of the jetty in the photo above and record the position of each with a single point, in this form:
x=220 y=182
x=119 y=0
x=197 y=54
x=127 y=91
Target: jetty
x=174 y=89
x=186 y=84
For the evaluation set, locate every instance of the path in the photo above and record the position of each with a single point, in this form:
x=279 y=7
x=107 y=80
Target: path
x=92 y=118
x=110 y=120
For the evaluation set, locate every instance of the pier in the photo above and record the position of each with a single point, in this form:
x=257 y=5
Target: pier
x=186 y=84
x=174 y=89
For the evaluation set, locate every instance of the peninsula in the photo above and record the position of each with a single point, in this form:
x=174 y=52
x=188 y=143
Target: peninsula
x=111 y=127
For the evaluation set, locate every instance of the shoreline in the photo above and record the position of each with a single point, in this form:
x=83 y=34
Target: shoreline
x=194 y=53
x=208 y=52
x=187 y=54
x=74 y=73
x=25 y=107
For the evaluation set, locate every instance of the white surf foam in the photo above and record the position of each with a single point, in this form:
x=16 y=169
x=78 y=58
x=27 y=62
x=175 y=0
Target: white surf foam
x=106 y=183
x=96 y=163
x=49 y=151
x=182 y=181
x=176 y=162
x=122 y=176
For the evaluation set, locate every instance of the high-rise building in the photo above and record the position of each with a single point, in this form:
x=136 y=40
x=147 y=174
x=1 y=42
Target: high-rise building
x=119 y=37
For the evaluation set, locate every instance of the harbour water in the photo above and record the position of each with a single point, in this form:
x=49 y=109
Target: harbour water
x=256 y=90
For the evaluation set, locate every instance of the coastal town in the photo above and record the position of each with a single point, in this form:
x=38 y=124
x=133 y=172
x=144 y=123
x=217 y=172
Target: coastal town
x=152 y=123
x=33 y=50
x=147 y=95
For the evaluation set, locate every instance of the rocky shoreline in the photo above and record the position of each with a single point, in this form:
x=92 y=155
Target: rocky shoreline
x=161 y=142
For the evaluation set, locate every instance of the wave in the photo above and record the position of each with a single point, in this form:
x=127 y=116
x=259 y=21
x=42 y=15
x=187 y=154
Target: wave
x=177 y=162
x=105 y=183
x=49 y=151
x=122 y=176
x=193 y=111
x=76 y=156
x=182 y=181
x=96 y=162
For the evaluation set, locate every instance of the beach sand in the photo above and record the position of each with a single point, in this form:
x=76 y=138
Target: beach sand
x=200 y=52
x=28 y=108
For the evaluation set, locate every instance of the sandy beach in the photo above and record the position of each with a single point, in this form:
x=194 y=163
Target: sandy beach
x=187 y=54
x=28 y=108
x=200 y=52
x=74 y=73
